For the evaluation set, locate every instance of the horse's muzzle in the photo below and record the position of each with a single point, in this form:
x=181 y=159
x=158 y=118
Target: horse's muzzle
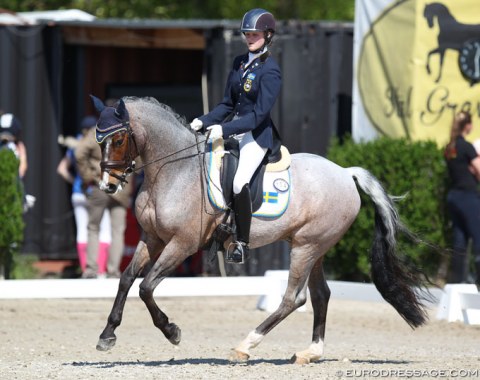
x=109 y=188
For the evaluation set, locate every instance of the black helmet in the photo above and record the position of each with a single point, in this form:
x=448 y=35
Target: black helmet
x=10 y=127
x=257 y=20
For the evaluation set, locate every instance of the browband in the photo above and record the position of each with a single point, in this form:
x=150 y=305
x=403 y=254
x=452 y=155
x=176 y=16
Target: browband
x=102 y=134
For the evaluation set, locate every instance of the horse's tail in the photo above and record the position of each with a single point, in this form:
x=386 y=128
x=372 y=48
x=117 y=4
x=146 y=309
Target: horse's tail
x=399 y=285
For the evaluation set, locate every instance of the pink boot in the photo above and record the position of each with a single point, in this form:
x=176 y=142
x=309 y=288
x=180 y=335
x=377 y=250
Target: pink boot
x=82 y=255
x=103 y=257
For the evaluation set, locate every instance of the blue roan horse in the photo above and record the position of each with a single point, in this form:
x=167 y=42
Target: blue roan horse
x=174 y=211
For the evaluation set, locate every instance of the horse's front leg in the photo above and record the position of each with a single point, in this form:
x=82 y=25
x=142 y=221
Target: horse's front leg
x=107 y=337
x=172 y=256
x=442 y=55
x=430 y=53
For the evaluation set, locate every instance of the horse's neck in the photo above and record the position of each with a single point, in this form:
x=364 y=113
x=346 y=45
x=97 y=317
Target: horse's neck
x=168 y=155
x=444 y=16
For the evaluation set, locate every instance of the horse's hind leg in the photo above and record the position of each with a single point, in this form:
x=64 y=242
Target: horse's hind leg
x=107 y=337
x=320 y=295
x=295 y=296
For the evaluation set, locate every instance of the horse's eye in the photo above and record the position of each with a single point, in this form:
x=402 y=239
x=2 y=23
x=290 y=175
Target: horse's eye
x=118 y=142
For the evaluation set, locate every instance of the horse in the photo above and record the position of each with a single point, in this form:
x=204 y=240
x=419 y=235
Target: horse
x=178 y=219
x=452 y=34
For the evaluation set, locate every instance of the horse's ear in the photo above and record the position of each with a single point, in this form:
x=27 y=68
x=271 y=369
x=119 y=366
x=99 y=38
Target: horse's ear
x=99 y=106
x=121 y=110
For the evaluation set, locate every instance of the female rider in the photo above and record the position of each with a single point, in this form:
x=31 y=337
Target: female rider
x=252 y=88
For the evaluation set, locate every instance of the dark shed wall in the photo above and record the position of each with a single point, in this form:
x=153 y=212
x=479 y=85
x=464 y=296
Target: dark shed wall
x=30 y=77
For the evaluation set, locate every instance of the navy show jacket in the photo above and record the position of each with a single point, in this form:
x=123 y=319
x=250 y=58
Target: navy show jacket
x=248 y=99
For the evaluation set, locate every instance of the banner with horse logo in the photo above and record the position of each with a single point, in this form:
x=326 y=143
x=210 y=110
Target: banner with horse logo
x=416 y=63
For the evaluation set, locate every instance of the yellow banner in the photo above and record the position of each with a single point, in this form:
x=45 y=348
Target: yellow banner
x=417 y=65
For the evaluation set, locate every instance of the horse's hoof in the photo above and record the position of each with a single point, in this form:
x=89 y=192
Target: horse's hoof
x=106 y=344
x=238 y=357
x=299 y=360
x=175 y=334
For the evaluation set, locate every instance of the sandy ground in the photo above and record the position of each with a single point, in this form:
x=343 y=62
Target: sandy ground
x=55 y=339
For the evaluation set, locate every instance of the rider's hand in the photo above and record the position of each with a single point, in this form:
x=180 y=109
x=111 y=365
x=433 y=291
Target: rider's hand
x=196 y=125
x=216 y=132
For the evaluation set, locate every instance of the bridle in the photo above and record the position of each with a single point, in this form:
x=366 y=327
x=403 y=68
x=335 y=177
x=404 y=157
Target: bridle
x=127 y=164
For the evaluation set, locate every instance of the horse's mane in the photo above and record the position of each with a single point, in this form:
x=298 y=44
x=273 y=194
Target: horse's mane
x=435 y=9
x=152 y=101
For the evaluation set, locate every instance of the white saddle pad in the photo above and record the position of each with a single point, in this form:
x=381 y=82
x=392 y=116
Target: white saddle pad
x=276 y=186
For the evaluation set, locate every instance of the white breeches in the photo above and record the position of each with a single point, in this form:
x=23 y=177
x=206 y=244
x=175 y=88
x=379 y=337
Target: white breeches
x=251 y=156
x=79 y=203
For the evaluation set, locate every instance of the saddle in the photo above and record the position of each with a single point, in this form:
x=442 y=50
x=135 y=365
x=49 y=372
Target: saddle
x=225 y=160
x=228 y=170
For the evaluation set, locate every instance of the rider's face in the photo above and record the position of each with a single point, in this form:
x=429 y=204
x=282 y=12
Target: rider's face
x=255 y=40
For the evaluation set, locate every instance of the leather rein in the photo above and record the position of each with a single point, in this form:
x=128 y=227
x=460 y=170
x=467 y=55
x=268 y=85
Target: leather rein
x=127 y=164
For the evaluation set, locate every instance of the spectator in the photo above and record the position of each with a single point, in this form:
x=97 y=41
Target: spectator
x=11 y=135
x=88 y=156
x=67 y=170
x=463 y=199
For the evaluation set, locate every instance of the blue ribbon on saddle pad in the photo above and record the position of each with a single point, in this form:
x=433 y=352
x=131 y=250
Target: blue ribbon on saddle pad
x=102 y=134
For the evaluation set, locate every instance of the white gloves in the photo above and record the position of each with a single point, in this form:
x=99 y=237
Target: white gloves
x=196 y=125
x=216 y=132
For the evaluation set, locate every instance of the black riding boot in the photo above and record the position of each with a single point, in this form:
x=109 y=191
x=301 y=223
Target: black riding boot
x=477 y=269
x=242 y=203
x=458 y=267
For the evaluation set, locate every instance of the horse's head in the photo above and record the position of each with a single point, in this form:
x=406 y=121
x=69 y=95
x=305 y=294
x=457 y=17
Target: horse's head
x=119 y=150
x=435 y=10
x=428 y=14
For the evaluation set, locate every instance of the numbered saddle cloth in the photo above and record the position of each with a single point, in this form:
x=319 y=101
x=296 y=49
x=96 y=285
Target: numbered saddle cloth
x=274 y=189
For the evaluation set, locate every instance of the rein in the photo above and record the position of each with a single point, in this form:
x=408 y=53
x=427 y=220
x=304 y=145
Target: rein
x=173 y=154
x=128 y=162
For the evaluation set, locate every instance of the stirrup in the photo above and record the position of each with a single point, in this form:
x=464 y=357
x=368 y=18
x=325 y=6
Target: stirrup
x=237 y=253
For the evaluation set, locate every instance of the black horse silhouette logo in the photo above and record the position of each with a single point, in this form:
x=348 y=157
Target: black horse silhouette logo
x=452 y=34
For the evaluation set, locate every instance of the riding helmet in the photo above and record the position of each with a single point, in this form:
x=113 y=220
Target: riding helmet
x=10 y=127
x=258 y=20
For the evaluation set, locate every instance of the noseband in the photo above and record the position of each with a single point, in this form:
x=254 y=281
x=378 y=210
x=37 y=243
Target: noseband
x=127 y=164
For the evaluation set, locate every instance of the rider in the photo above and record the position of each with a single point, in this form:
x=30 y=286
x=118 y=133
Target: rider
x=252 y=88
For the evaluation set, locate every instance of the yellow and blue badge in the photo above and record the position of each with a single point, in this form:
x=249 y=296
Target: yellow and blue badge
x=247 y=86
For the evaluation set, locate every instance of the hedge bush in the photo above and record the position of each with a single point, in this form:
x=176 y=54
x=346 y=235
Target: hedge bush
x=414 y=169
x=11 y=210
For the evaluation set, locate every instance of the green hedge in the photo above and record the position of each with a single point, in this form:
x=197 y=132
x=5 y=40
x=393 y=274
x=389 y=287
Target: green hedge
x=11 y=209
x=414 y=169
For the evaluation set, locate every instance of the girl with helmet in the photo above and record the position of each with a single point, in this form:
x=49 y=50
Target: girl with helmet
x=252 y=88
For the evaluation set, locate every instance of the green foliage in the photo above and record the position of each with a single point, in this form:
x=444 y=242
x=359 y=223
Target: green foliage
x=194 y=9
x=24 y=267
x=414 y=169
x=11 y=227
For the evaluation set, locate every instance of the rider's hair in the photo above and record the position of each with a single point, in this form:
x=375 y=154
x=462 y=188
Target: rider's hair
x=460 y=121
